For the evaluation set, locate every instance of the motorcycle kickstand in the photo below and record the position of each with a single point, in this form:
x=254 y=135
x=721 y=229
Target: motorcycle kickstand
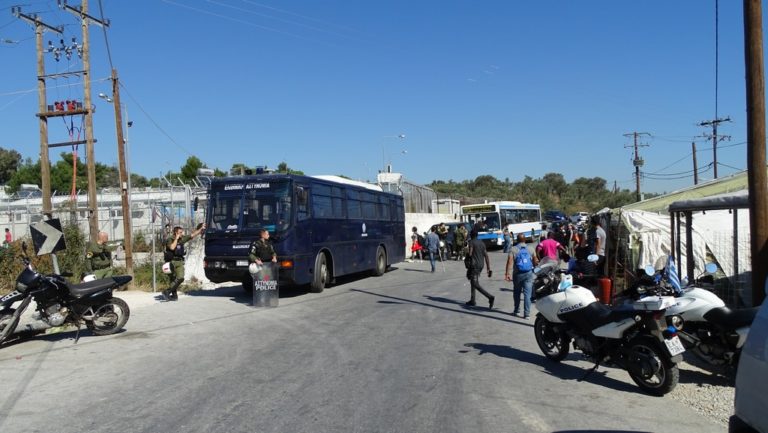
x=77 y=334
x=589 y=372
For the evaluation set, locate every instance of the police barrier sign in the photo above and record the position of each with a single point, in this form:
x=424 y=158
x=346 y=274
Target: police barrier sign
x=266 y=291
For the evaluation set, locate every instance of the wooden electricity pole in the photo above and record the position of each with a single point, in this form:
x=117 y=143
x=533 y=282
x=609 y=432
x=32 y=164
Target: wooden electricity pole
x=93 y=208
x=756 y=172
x=45 y=166
x=126 y=205
x=637 y=162
x=695 y=166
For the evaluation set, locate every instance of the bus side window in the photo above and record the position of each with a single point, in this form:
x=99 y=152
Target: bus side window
x=302 y=204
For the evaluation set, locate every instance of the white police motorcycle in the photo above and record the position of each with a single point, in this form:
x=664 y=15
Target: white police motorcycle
x=634 y=337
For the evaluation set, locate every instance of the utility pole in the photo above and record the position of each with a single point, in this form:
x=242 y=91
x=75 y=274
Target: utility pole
x=637 y=162
x=43 y=114
x=124 y=180
x=715 y=137
x=756 y=173
x=695 y=167
x=82 y=13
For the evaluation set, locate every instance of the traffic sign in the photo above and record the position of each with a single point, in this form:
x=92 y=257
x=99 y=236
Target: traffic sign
x=47 y=237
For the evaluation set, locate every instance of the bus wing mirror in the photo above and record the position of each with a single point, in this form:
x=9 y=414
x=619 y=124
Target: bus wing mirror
x=196 y=204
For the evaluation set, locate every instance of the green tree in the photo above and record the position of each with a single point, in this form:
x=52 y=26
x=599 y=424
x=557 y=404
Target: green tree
x=189 y=169
x=27 y=172
x=283 y=168
x=10 y=160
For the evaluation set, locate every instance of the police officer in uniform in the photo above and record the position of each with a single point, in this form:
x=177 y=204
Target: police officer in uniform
x=174 y=251
x=98 y=257
x=261 y=249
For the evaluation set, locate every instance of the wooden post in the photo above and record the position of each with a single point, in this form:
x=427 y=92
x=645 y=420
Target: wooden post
x=45 y=165
x=756 y=170
x=93 y=207
x=126 y=205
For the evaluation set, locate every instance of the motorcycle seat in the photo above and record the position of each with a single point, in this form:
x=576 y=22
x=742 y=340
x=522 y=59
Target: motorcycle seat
x=732 y=319
x=85 y=289
x=596 y=315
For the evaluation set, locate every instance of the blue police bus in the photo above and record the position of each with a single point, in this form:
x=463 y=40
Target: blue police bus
x=321 y=227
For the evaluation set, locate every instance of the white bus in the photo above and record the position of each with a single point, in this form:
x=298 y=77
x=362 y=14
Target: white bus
x=496 y=216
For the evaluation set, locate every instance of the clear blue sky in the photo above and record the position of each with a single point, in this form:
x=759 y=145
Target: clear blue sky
x=505 y=88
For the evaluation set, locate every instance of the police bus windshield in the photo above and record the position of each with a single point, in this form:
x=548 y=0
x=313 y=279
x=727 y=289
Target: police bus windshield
x=246 y=207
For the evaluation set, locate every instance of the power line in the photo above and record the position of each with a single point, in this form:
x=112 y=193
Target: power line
x=106 y=41
x=653 y=177
x=157 y=125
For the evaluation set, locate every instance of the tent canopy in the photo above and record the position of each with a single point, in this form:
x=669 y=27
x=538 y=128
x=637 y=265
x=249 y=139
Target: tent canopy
x=732 y=200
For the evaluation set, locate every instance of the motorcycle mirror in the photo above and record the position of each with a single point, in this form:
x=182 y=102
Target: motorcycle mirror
x=649 y=270
x=710 y=268
x=593 y=258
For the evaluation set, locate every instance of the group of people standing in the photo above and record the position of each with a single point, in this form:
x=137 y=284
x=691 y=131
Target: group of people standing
x=454 y=240
x=522 y=258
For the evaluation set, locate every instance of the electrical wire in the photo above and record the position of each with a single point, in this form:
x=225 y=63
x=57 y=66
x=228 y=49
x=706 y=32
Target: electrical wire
x=159 y=128
x=700 y=171
x=730 y=166
x=106 y=41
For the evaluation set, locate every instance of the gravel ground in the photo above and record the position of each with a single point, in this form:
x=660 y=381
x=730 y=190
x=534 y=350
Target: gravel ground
x=708 y=393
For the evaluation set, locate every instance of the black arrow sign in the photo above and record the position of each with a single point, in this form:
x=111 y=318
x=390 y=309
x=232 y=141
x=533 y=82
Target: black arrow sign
x=47 y=237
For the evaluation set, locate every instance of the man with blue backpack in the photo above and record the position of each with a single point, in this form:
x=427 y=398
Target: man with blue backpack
x=522 y=259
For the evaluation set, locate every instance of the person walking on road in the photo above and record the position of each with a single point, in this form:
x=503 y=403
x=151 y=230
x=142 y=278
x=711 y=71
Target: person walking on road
x=174 y=252
x=433 y=247
x=416 y=245
x=549 y=247
x=98 y=257
x=600 y=238
x=478 y=256
x=521 y=260
x=461 y=240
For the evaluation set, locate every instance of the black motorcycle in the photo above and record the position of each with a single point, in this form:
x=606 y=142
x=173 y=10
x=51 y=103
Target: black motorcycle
x=61 y=303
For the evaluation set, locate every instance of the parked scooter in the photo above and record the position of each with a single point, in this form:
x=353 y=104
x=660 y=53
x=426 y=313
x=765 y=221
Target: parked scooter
x=59 y=303
x=708 y=328
x=634 y=338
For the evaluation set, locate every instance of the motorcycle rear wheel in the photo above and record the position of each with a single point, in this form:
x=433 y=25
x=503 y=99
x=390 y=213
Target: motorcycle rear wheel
x=555 y=345
x=109 y=317
x=650 y=367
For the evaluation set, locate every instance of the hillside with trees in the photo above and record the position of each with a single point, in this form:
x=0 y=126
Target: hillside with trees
x=550 y=191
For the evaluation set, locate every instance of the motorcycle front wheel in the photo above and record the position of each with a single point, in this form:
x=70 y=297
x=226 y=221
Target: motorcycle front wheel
x=553 y=344
x=650 y=367
x=8 y=323
x=109 y=317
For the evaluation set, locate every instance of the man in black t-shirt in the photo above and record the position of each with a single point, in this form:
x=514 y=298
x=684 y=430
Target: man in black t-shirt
x=479 y=256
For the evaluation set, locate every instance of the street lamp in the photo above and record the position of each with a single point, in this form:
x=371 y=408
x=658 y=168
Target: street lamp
x=125 y=180
x=388 y=166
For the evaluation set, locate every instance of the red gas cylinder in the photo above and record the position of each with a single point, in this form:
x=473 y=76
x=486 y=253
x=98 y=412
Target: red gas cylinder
x=605 y=285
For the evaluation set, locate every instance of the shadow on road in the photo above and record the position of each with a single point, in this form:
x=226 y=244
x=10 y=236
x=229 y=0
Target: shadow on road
x=600 y=431
x=473 y=311
x=239 y=295
x=556 y=369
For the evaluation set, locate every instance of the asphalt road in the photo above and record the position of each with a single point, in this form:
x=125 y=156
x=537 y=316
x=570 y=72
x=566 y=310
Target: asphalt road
x=397 y=353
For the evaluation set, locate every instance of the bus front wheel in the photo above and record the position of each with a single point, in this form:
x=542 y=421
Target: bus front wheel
x=247 y=281
x=320 y=274
x=381 y=262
